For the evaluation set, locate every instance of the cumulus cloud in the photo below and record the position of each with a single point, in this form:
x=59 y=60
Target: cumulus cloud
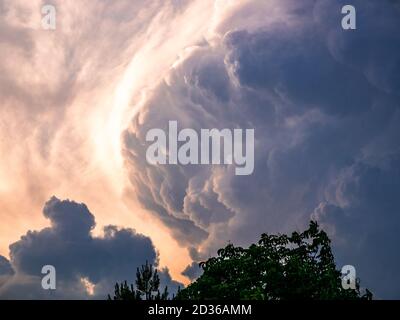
x=324 y=104
x=6 y=270
x=192 y=271
x=5 y=267
x=80 y=259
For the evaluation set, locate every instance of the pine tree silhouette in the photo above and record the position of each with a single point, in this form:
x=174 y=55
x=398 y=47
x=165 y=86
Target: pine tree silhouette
x=147 y=286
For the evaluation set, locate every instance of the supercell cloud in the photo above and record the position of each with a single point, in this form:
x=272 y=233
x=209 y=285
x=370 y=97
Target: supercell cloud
x=324 y=104
x=77 y=104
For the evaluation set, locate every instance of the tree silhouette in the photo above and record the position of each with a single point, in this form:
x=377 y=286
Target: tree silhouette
x=278 y=267
x=147 y=286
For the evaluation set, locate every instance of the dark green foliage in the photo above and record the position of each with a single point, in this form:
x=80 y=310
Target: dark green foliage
x=124 y=291
x=147 y=286
x=279 y=267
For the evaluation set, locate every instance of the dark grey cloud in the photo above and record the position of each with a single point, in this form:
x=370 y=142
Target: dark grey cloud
x=76 y=254
x=5 y=267
x=324 y=104
x=362 y=213
x=6 y=271
x=192 y=271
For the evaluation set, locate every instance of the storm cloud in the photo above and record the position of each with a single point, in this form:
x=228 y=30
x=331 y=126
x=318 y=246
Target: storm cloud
x=324 y=103
x=76 y=105
x=86 y=266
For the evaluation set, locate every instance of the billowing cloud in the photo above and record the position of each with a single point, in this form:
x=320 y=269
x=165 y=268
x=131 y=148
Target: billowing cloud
x=324 y=103
x=66 y=96
x=362 y=213
x=86 y=266
x=6 y=270
x=5 y=267
x=192 y=271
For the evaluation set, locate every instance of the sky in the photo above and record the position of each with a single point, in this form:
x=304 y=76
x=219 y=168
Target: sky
x=76 y=103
